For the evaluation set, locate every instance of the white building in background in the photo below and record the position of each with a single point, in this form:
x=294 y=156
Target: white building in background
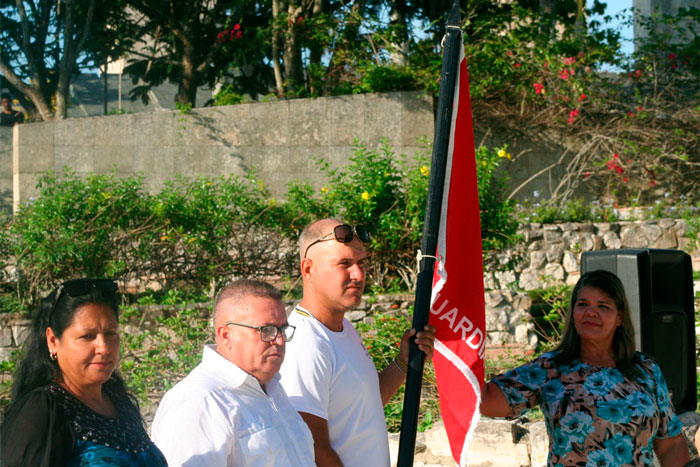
x=648 y=8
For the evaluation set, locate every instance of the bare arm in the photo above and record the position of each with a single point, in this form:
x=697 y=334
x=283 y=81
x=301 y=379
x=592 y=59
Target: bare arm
x=323 y=451
x=672 y=452
x=493 y=401
x=392 y=377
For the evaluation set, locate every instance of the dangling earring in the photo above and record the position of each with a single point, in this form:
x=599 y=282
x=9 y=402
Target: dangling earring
x=53 y=355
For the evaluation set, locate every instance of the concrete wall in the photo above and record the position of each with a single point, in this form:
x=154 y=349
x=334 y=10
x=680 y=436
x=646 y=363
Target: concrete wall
x=5 y=170
x=279 y=139
x=647 y=8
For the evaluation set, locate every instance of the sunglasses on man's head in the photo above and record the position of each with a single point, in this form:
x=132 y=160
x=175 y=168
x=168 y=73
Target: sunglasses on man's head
x=344 y=233
x=80 y=287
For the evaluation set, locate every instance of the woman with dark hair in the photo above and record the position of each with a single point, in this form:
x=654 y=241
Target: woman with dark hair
x=69 y=406
x=604 y=404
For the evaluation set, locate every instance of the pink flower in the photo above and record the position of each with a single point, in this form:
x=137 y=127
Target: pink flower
x=564 y=74
x=569 y=60
x=539 y=88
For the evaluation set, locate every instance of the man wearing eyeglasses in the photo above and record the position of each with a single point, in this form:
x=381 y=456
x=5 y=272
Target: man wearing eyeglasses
x=231 y=409
x=328 y=374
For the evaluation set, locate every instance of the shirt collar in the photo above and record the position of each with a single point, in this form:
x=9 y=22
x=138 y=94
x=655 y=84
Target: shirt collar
x=230 y=373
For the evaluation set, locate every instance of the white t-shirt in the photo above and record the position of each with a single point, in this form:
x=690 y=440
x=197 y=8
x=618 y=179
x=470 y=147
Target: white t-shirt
x=331 y=375
x=220 y=416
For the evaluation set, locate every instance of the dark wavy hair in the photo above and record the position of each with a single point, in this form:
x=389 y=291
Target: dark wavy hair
x=623 y=340
x=36 y=369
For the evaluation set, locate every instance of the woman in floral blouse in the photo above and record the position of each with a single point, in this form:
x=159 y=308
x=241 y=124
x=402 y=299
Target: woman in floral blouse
x=604 y=403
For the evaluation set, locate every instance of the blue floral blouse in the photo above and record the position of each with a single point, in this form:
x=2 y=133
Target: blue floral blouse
x=595 y=416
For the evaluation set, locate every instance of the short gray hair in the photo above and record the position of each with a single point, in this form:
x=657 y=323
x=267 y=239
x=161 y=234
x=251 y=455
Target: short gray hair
x=241 y=289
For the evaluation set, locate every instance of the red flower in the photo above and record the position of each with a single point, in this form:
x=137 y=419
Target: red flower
x=239 y=34
x=626 y=179
x=572 y=116
x=569 y=61
x=236 y=27
x=582 y=97
x=638 y=74
x=616 y=156
x=630 y=114
x=221 y=37
x=671 y=56
x=545 y=64
x=509 y=53
x=674 y=66
x=587 y=175
x=639 y=109
x=517 y=65
x=300 y=19
x=652 y=183
x=563 y=74
x=539 y=88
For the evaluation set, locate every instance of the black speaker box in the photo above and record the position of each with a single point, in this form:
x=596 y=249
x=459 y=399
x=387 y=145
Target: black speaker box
x=659 y=288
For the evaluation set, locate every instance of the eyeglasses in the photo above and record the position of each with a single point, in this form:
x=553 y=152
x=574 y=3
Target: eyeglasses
x=269 y=332
x=344 y=233
x=80 y=287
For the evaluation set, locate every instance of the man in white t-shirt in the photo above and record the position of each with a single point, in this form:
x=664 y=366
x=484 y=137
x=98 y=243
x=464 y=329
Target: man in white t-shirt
x=328 y=374
x=231 y=409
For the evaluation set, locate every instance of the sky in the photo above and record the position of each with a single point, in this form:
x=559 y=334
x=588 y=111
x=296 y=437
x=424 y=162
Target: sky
x=626 y=30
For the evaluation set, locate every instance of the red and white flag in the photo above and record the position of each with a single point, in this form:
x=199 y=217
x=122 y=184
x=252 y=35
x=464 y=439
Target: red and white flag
x=457 y=303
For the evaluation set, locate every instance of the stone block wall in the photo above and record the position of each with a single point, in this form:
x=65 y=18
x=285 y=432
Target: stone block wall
x=551 y=253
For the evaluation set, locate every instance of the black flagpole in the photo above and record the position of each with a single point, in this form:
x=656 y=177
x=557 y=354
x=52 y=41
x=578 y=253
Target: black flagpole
x=421 y=312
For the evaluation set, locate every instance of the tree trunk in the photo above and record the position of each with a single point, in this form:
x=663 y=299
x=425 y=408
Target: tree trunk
x=42 y=111
x=187 y=89
x=277 y=6
x=293 y=70
x=316 y=51
x=398 y=19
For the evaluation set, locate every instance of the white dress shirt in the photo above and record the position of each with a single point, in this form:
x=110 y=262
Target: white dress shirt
x=219 y=415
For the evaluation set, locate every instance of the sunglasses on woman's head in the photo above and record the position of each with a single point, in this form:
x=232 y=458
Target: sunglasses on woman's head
x=80 y=287
x=344 y=233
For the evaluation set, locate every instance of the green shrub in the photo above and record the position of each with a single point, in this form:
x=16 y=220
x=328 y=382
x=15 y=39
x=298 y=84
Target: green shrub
x=194 y=233
x=498 y=224
x=382 y=338
x=227 y=95
x=575 y=210
x=387 y=79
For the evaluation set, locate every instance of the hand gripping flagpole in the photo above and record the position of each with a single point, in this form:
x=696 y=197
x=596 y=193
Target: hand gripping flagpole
x=426 y=263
